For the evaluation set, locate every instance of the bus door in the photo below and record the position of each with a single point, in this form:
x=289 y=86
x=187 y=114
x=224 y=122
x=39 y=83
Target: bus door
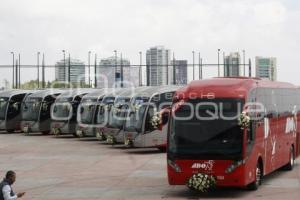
x=273 y=139
x=149 y=128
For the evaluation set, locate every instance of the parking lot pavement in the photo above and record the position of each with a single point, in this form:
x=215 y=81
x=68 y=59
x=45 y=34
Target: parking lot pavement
x=67 y=168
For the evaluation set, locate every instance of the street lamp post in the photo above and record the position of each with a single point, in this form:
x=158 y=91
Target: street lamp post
x=224 y=64
x=115 y=66
x=244 y=64
x=95 y=71
x=13 y=68
x=38 y=69
x=19 y=68
x=140 y=70
x=69 y=71
x=65 y=70
x=89 y=63
x=193 y=65
x=121 y=73
x=174 y=70
x=199 y=57
x=218 y=62
x=43 y=71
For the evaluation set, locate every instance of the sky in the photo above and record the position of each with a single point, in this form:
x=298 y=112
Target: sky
x=261 y=28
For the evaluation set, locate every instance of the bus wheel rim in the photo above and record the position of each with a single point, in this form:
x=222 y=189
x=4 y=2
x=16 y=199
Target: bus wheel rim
x=258 y=175
x=292 y=158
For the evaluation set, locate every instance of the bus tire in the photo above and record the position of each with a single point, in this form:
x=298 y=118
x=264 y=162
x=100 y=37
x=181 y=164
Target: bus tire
x=45 y=132
x=291 y=162
x=258 y=178
x=162 y=149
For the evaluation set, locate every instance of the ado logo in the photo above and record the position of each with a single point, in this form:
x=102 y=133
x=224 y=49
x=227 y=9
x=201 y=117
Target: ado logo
x=208 y=165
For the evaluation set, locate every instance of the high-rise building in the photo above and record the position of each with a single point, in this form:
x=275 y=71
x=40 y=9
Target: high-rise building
x=77 y=71
x=158 y=66
x=109 y=73
x=232 y=65
x=180 y=72
x=266 y=67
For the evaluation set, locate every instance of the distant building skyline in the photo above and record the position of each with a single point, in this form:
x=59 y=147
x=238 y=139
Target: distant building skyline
x=266 y=67
x=111 y=68
x=157 y=62
x=180 y=72
x=77 y=71
x=232 y=65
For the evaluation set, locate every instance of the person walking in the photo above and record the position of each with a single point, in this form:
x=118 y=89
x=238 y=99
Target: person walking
x=6 y=192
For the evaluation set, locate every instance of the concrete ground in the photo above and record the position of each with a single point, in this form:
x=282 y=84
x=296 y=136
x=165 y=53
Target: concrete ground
x=67 y=168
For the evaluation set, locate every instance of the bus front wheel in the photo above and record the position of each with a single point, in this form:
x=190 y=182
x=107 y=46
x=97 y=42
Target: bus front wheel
x=258 y=178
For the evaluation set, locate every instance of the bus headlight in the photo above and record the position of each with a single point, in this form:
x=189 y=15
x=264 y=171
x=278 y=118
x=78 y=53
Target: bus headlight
x=174 y=166
x=234 y=165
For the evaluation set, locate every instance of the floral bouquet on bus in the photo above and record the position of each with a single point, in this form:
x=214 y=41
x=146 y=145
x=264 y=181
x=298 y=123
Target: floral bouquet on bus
x=136 y=107
x=156 y=120
x=244 y=120
x=201 y=182
x=117 y=108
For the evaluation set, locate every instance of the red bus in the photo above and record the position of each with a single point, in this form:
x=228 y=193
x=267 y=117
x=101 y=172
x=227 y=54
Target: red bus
x=232 y=132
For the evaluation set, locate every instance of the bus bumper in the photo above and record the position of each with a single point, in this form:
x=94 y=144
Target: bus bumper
x=223 y=179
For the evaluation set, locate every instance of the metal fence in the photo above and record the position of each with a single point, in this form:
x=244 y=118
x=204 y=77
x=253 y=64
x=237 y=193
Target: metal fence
x=98 y=76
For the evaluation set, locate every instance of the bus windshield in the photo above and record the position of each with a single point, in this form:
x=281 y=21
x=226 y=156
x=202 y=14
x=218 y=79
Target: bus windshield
x=3 y=107
x=31 y=108
x=62 y=108
x=104 y=110
x=194 y=134
x=118 y=112
x=134 y=121
x=118 y=116
x=87 y=111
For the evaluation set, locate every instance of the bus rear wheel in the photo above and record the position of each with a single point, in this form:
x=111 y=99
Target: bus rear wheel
x=258 y=178
x=291 y=163
x=45 y=132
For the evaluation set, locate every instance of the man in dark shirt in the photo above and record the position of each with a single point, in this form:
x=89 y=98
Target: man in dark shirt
x=6 y=192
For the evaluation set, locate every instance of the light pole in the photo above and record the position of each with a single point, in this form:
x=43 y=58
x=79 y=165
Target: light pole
x=38 y=69
x=19 y=76
x=244 y=64
x=193 y=65
x=64 y=53
x=13 y=68
x=89 y=63
x=69 y=71
x=224 y=64
x=140 y=70
x=43 y=71
x=199 y=57
x=218 y=62
x=115 y=66
x=95 y=71
x=121 y=73
x=174 y=70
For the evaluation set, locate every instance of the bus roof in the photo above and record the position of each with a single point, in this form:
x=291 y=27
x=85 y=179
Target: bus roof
x=153 y=90
x=9 y=93
x=75 y=92
x=97 y=93
x=228 y=87
x=44 y=93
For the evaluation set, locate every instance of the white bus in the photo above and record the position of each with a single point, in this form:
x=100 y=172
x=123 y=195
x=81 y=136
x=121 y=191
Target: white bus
x=147 y=122
x=87 y=112
x=64 y=111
